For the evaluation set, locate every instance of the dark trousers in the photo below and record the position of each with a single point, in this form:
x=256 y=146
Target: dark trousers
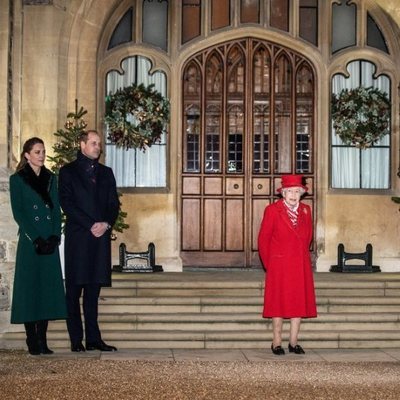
x=91 y=294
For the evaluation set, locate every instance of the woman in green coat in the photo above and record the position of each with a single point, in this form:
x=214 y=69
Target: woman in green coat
x=38 y=294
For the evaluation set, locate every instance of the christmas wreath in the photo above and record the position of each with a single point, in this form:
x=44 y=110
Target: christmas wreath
x=136 y=116
x=361 y=116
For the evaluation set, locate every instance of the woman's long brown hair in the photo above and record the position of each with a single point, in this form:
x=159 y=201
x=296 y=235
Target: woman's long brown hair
x=28 y=145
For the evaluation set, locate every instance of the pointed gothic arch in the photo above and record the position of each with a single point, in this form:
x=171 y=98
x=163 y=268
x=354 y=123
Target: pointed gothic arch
x=243 y=144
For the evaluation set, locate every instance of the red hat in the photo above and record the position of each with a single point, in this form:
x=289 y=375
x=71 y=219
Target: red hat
x=292 y=181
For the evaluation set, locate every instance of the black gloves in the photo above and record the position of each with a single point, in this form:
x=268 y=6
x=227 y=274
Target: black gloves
x=45 y=247
x=54 y=240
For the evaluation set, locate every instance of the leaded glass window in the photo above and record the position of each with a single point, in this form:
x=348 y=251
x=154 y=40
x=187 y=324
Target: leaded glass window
x=344 y=24
x=375 y=37
x=155 y=23
x=123 y=31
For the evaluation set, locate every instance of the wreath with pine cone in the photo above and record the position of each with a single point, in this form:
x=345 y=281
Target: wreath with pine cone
x=136 y=116
x=361 y=116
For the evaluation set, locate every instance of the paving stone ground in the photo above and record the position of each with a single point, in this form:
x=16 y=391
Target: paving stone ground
x=188 y=374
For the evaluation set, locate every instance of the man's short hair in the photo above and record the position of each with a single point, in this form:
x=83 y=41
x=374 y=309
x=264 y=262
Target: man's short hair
x=83 y=137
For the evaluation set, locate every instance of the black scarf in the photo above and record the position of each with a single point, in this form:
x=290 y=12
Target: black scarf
x=39 y=183
x=88 y=165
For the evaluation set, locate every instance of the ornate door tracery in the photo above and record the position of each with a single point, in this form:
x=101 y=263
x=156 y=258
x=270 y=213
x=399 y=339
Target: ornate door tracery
x=248 y=109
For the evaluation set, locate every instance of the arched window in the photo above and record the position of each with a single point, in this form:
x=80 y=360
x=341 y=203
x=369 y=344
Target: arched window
x=352 y=167
x=135 y=168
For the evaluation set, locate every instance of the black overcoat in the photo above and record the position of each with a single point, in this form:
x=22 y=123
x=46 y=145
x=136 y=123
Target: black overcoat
x=87 y=258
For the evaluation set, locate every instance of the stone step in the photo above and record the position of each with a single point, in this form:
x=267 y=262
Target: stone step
x=246 y=283
x=226 y=340
x=238 y=308
x=182 y=281
x=366 y=308
x=223 y=277
x=212 y=325
x=245 y=292
x=188 y=291
x=223 y=310
x=322 y=318
x=154 y=292
x=236 y=323
x=238 y=301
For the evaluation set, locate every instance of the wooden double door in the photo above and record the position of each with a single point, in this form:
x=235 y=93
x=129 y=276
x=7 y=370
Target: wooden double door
x=248 y=118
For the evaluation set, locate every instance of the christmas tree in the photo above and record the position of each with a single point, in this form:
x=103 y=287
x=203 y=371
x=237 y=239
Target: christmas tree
x=66 y=148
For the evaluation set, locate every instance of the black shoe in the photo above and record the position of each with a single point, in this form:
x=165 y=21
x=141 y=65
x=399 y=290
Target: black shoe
x=41 y=329
x=278 y=350
x=100 y=346
x=33 y=347
x=32 y=340
x=296 y=349
x=44 y=349
x=77 y=347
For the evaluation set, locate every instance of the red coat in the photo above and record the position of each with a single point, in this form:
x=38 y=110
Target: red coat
x=285 y=254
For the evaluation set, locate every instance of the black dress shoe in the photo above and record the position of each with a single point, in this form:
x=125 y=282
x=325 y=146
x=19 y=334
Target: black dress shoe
x=100 y=346
x=278 y=350
x=296 y=349
x=77 y=347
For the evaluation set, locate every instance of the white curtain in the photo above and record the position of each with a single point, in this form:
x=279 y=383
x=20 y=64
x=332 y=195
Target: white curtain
x=133 y=167
x=353 y=168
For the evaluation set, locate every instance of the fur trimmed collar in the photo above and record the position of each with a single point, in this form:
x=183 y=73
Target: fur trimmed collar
x=40 y=184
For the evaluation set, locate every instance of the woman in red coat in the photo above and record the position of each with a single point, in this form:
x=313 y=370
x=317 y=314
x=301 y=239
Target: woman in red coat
x=283 y=242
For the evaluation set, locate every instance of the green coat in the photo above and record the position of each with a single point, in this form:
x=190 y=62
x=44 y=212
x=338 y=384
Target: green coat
x=38 y=285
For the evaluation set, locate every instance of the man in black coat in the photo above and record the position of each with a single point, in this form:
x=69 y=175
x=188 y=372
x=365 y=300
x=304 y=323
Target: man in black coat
x=89 y=199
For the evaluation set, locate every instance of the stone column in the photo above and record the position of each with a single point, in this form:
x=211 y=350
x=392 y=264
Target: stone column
x=8 y=242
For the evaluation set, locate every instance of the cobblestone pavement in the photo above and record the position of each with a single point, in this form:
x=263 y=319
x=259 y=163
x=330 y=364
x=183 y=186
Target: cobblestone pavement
x=200 y=374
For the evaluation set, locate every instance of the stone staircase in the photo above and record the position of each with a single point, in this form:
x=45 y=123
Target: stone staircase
x=222 y=309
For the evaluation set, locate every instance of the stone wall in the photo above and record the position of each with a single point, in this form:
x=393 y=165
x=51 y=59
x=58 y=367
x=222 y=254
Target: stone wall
x=8 y=242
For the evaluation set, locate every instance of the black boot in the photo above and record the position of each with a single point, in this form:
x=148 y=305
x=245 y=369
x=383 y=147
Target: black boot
x=42 y=337
x=32 y=338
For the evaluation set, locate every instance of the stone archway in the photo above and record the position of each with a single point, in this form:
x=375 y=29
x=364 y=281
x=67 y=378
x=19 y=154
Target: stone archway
x=249 y=117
